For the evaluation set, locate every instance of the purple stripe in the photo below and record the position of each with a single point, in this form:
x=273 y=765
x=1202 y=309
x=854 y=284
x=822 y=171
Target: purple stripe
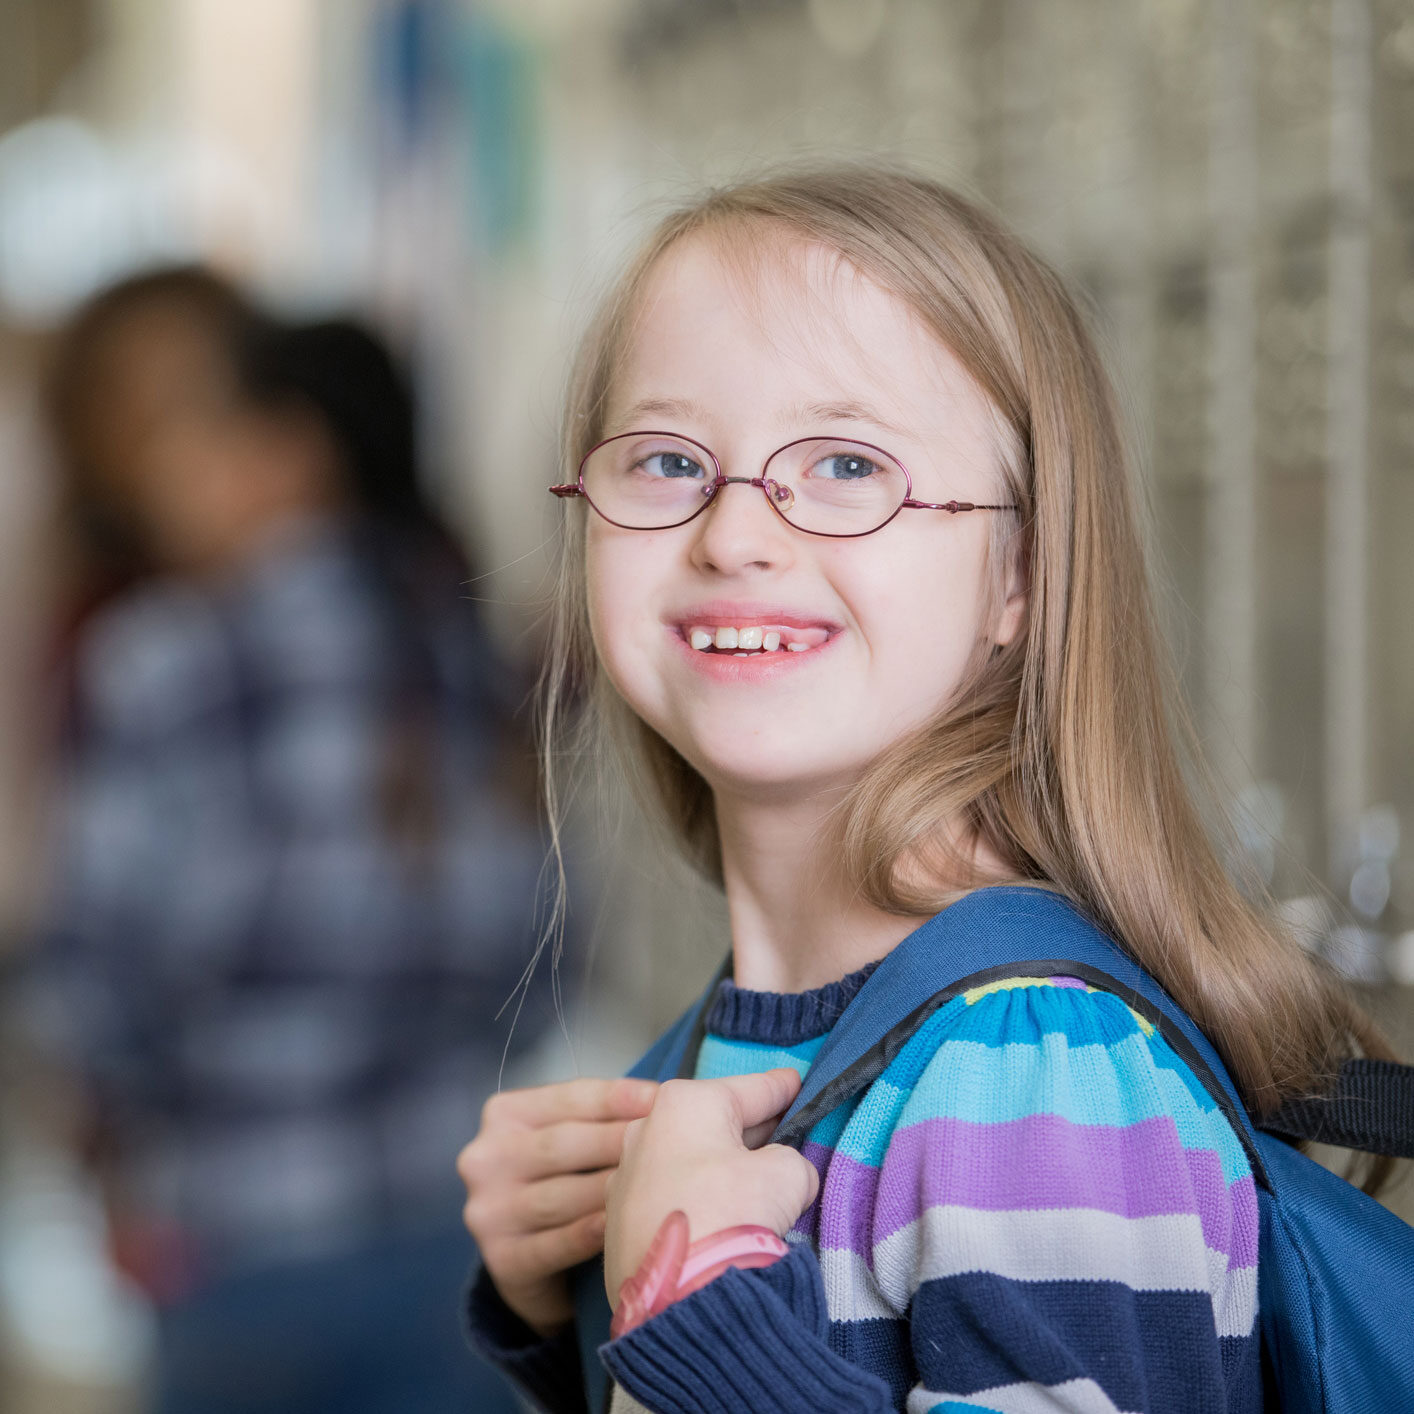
x=1138 y=1170
x=1070 y=982
x=808 y=1223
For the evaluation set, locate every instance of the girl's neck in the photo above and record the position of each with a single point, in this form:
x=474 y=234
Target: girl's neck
x=796 y=922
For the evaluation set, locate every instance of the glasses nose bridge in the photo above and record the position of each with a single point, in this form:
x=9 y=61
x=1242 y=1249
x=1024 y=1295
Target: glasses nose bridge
x=778 y=497
x=764 y=484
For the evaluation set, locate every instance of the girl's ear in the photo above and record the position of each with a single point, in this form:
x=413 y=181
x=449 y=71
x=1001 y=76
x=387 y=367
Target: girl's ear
x=1013 y=615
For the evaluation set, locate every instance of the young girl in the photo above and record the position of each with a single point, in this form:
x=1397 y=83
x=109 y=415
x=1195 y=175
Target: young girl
x=859 y=598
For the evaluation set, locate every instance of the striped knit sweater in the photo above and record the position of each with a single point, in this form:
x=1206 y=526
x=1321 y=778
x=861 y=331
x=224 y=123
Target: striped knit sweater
x=1035 y=1207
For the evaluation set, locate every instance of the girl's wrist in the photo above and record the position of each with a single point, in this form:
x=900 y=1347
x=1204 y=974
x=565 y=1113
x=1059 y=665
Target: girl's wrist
x=545 y=1309
x=674 y=1266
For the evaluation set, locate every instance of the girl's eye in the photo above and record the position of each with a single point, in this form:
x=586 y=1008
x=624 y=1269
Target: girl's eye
x=844 y=466
x=671 y=464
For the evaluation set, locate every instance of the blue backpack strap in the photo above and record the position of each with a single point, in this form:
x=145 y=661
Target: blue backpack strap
x=673 y=1054
x=1008 y=930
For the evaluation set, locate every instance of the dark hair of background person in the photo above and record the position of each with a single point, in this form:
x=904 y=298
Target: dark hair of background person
x=340 y=372
x=343 y=373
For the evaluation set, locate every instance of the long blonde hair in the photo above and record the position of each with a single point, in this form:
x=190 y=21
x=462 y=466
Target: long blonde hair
x=1059 y=750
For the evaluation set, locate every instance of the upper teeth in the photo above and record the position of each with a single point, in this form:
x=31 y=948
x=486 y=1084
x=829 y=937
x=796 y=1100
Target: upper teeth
x=749 y=638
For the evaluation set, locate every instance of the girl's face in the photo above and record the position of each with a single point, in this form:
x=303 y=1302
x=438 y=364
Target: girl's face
x=810 y=347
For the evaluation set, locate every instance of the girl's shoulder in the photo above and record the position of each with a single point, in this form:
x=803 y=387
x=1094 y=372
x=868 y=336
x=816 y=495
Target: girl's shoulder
x=1038 y=1131
x=1060 y=1050
x=1037 y=1160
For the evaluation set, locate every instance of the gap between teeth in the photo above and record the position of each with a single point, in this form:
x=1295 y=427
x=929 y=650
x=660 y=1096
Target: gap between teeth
x=745 y=640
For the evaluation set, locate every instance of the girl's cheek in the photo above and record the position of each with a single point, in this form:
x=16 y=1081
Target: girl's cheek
x=606 y=602
x=599 y=598
x=614 y=635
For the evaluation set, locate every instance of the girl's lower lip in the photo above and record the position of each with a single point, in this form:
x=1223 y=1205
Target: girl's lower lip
x=755 y=667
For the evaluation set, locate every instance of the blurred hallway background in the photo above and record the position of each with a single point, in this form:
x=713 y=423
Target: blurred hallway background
x=1230 y=181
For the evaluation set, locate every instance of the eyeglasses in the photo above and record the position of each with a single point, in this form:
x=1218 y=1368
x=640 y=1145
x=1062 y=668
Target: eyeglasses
x=821 y=485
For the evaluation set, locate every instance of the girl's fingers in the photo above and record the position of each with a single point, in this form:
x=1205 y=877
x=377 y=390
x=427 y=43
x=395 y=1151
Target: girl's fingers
x=575 y=1146
x=799 y=1178
x=758 y=1134
x=560 y=1201
x=585 y=1099
x=558 y=1248
x=760 y=1097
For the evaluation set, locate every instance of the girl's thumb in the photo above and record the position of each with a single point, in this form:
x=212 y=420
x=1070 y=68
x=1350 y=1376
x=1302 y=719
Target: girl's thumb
x=799 y=1178
x=762 y=1096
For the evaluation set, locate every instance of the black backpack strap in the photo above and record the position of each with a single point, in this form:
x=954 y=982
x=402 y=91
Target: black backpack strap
x=1371 y=1108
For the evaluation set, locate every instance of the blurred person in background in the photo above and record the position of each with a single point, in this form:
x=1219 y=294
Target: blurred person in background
x=296 y=863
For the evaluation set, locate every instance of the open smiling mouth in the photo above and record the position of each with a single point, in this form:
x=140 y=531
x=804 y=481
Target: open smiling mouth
x=753 y=639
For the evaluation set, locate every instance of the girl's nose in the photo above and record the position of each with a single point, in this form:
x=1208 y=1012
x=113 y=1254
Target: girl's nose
x=739 y=531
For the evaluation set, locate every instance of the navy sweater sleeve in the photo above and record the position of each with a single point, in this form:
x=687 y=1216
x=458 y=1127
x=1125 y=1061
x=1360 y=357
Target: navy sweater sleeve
x=546 y=1371
x=754 y=1339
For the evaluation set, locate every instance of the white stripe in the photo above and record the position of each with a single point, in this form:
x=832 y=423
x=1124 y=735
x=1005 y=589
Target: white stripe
x=1235 y=1300
x=1163 y=1253
x=621 y=1402
x=1072 y=1397
x=851 y=1293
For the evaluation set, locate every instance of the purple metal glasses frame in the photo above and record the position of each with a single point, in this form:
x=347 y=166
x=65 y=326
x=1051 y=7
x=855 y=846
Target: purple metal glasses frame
x=769 y=487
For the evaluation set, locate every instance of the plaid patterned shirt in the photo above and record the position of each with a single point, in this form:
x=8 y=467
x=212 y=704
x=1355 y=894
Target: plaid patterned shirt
x=284 y=1008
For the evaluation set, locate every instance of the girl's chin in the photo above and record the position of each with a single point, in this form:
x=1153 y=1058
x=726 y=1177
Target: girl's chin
x=758 y=774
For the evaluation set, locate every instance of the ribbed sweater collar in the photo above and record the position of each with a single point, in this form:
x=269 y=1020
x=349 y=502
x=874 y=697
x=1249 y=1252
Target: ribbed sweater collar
x=781 y=1018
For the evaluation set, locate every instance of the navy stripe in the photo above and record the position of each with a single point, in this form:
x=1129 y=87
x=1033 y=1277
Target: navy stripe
x=881 y=1346
x=1242 y=1371
x=1149 y=1350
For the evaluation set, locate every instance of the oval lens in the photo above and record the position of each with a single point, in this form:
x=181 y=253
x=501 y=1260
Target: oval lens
x=840 y=487
x=647 y=480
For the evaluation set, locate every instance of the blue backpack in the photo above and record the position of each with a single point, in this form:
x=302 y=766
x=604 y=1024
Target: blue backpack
x=1335 y=1269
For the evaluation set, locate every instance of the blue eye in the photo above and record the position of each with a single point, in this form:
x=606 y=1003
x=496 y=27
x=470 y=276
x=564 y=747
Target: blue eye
x=845 y=466
x=671 y=464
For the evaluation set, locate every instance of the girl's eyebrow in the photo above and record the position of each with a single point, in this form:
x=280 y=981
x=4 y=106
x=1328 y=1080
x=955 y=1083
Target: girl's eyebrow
x=665 y=407
x=845 y=411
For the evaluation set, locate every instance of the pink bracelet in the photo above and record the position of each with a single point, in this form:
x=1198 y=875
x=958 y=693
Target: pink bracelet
x=672 y=1268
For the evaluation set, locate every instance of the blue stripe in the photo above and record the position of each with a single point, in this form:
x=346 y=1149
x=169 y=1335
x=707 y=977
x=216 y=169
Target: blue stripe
x=1117 y=1085
x=993 y=1061
x=719 y=1058
x=829 y=1130
x=1019 y=1013
x=1084 y=1018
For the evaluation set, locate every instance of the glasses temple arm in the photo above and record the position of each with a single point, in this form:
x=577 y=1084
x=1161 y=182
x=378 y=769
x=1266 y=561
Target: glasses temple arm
x=953 y=507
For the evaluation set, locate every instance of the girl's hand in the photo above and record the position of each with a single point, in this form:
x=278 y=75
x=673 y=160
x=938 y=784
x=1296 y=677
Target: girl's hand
x=696 y=1151
x=535 y=1177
